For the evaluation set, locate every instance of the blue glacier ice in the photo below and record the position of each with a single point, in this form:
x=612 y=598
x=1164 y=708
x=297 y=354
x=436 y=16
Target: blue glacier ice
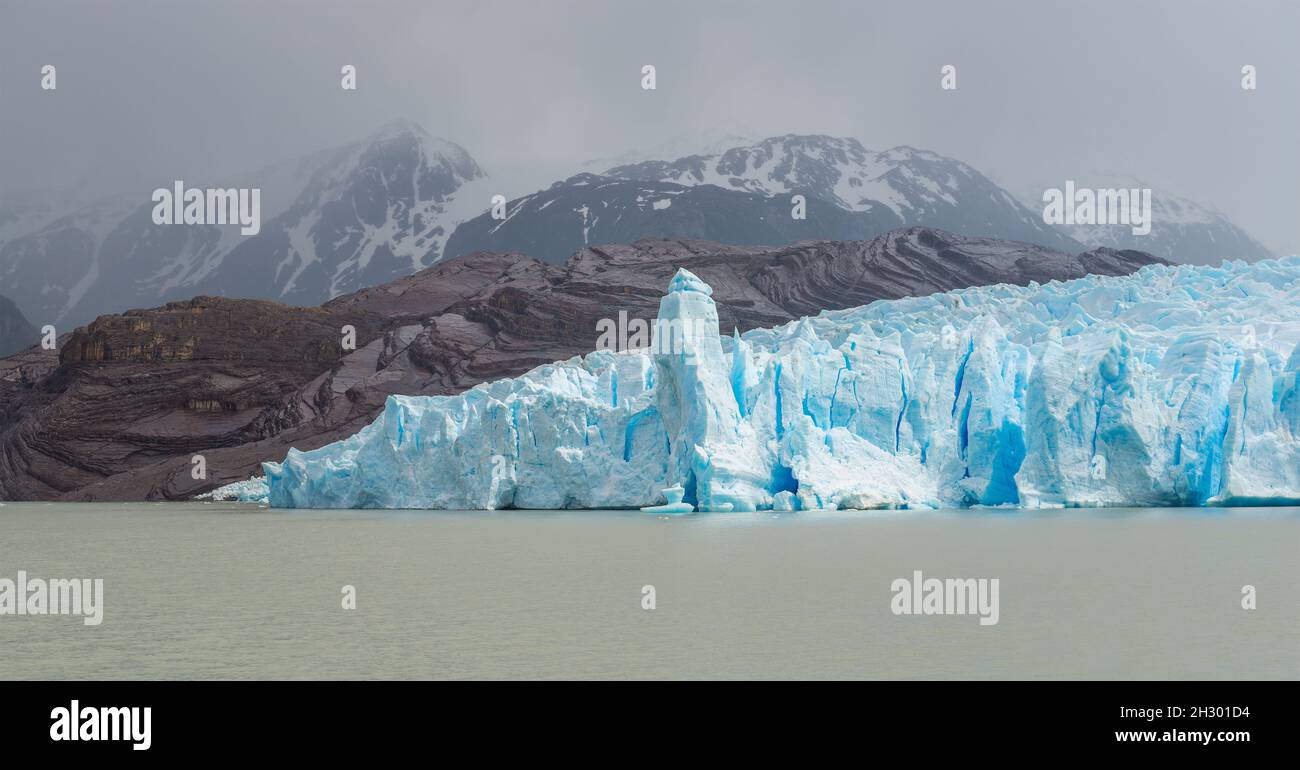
x=1173 y=386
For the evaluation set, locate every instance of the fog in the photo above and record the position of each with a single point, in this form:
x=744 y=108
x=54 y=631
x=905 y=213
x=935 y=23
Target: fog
x=149 y=92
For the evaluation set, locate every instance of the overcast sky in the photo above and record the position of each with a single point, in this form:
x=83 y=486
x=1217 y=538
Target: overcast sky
x=151 y=91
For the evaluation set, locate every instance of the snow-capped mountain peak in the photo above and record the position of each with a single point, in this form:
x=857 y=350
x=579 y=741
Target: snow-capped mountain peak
x=914 y=186
x=332 y=221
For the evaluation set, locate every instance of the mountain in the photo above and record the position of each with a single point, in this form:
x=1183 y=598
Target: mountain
x=588 y=209
x=15 y=331
x=119 y=411
x=27 y=213
x=742 y=195
x=52 y=271
x=400 y=200
x=331 y=222
x=918 y=187
x=1182 y=230
x=383 y=211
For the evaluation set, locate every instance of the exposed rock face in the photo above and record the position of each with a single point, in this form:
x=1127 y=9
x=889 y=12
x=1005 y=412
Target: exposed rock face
x=133 y=397
x=131 y=390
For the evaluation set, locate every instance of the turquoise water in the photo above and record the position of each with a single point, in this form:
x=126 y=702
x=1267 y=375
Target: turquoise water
x=230 y=591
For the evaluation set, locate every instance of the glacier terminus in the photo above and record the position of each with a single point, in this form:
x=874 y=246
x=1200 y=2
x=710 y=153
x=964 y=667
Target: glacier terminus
x=1174 y=386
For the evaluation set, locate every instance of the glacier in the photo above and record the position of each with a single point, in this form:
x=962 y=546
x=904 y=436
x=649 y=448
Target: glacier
x=252 y=490
x=1174 y=386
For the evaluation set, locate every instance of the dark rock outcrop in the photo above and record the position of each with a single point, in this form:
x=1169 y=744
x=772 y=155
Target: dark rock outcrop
x=132 y=397
x=130 y=391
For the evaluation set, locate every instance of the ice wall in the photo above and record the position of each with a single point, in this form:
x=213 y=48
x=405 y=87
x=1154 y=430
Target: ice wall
x=1173 y=386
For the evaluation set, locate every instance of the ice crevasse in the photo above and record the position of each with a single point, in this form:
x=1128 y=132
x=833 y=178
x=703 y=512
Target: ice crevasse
x=1177 y=385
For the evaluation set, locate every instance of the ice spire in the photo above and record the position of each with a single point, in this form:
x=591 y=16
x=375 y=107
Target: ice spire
x=695 y=397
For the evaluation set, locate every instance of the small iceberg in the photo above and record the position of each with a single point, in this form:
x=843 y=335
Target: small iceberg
x=673 y=495
x=252 y=490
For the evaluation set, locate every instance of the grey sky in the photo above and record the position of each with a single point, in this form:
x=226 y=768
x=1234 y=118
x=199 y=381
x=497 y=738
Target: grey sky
x=153 y=91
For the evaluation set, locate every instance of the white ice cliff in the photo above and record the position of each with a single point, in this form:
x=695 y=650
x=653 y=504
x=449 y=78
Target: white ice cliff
x=1172 y=386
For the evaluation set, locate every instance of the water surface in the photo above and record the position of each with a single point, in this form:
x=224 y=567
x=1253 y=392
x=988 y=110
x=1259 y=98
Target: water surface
x=210 y=590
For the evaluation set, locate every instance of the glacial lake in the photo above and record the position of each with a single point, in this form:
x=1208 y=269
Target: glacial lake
x=227 y=591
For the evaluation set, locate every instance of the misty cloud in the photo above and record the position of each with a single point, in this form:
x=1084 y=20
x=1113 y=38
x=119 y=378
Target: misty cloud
x=149 y=92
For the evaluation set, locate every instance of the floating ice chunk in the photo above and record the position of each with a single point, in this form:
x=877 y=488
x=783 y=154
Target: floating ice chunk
x=252 y=490
x=673 y=495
